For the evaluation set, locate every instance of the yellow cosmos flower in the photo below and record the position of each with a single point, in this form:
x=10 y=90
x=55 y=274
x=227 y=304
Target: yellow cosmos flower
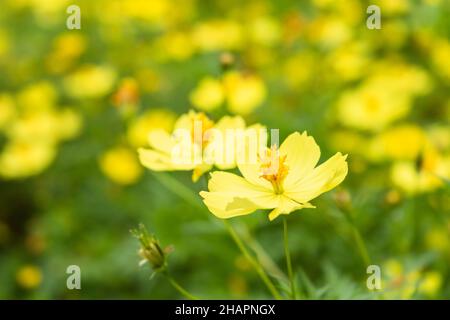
x=29 y=277
x=371 y=108
x=90 y=82
x=426 y=174
x=21 y=159
x=208 y=95
x=283 y=179
x=198 y=144
x=245 y=92
x=242 y=92
x=403 y=142
x=158 y=118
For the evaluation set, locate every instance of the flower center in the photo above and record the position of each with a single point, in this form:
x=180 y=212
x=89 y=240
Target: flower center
x=274 y=169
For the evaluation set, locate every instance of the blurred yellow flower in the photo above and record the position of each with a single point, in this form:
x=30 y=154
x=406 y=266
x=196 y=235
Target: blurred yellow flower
x=329 y=31
x=5 y=43
x=208 y=95
x=423 y=175
x=154 y=11
x=440 y=57
x=264 y=30
x=350 y=62
x=430 y=283
x=37 y=96
x=298 y=69
x=67 y=47
x=393 y=7
x=29 y=277
x=121 y=165
x=402 y=142
x=244 y=92
x=438 y=239
x=90 y=81
x=283 y=179
x=152 y=119
x=20 y=159
x=48 y=127
x=371 y=108
x=197 y=143
x=218 y=34
x=175 y=45
x=7 y=110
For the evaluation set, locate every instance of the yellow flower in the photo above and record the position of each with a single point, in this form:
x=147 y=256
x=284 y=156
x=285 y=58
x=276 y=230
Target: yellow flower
x=423 y=175
x=46 y=126
x=431 y=283
x=29 y=277
x=197 y=143
x=371 y=107
x=208 y=95
x=218 y=35
x=37 y=97
x=121 y=166
x=90 y=82
x=264 y=30
x=7 y=110
x=393 y=7
x=25 y=158
x=139 y=128
x=403 y=142
x=283 y=179
x=245 y=92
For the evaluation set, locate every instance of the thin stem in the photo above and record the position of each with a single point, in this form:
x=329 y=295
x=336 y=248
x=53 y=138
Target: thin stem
x=179 y=288
x=288 y=258
x=254 y=262
x=262 y=256
x=360 y=244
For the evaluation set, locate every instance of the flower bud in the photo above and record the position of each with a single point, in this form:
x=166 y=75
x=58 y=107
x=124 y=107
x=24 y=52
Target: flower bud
x=150 y=250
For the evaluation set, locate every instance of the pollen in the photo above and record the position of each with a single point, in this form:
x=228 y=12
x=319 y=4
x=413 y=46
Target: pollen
x=274 y=168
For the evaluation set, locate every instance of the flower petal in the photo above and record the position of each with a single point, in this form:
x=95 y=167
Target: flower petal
x=224 y=206
x=236 y=186
x=161 y=140
x=286 y=206
x=159 y=161
x=322 y=179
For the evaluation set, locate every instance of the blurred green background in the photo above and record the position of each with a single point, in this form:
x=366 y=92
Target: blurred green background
x=76 y=104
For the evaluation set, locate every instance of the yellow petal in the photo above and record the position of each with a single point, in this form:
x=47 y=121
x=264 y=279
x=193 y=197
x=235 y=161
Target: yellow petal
x=231 y=195
x=222 y=142
x=161 y=140
x=199 y=171
x=159 y=161
x=250 y=147
x=322 y=179
x=224 y=207
x=302 y=154
x=286 y=206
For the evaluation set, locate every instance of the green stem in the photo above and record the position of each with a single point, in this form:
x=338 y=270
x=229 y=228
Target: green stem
x=360 y=244
x=288 y=258
x=262 y=256
x=179 y=288
x=254 y=263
